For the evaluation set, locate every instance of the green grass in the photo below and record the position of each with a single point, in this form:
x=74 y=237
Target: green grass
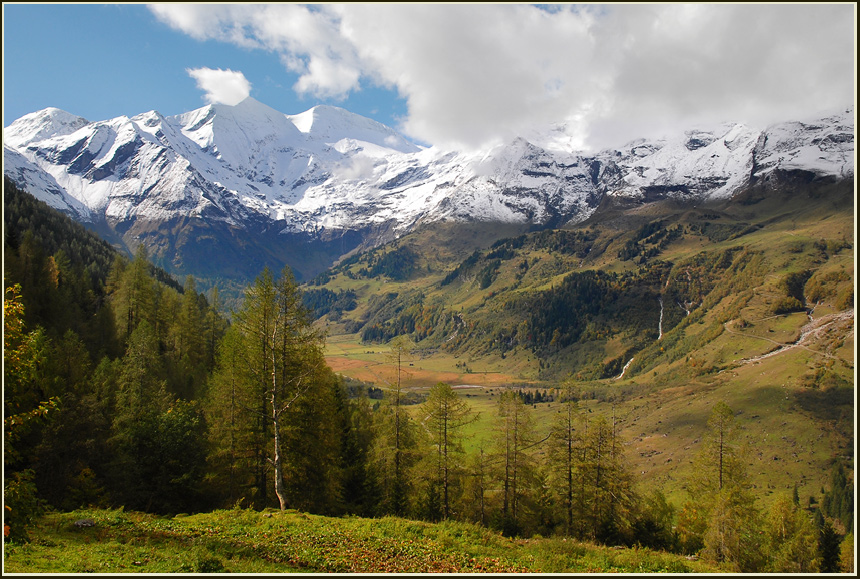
x=244 y=541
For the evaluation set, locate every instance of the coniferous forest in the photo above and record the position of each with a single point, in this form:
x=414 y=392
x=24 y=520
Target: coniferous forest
x=124 y=388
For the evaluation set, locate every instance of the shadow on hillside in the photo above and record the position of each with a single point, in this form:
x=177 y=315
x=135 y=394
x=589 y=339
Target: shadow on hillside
x=828 y=404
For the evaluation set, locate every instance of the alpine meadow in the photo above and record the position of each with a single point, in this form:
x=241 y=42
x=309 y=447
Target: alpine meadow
x=238 y=340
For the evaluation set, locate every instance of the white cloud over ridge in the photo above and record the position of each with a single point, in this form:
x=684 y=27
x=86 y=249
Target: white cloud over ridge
x=476 y=74
x=221 y=86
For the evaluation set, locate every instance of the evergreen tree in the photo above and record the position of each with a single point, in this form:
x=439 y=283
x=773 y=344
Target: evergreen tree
x=838 y=502
x=828 y=544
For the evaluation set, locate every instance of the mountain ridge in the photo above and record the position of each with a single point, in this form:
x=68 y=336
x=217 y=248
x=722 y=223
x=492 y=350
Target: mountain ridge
x=321 y=174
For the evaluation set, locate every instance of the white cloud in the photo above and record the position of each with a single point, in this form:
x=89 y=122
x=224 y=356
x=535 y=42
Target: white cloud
x=227 y=87
x=476 y=74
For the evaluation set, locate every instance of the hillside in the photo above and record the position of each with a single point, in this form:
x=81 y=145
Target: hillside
x=654 y=311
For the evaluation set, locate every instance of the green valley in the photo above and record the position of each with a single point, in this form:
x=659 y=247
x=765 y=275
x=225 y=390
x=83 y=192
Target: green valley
x=630 y=393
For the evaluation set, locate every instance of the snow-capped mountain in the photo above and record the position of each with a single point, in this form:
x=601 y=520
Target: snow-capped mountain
x=325 y=173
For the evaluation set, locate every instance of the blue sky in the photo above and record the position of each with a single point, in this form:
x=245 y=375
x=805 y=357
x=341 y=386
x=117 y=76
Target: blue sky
x=103 y=61
x=452 y=75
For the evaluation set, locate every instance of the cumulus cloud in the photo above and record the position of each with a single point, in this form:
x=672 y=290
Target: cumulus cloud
x=227 y=87
x=474 y=75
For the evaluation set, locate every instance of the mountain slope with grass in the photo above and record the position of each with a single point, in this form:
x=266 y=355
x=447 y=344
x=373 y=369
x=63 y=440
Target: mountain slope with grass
x=655 y=311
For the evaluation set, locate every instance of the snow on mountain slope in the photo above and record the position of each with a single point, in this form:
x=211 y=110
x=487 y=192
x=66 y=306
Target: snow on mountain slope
x=44 y=187
x=712 y=163
x=333 y=125
x=41 y=125
x=329 y=169
x=822 y=146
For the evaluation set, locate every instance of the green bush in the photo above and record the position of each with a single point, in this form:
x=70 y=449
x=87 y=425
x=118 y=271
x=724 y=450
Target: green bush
x=787 y=305
x=21 y=507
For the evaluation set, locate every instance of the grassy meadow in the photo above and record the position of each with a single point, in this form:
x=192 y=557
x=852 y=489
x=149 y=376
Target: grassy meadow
x=245 y=541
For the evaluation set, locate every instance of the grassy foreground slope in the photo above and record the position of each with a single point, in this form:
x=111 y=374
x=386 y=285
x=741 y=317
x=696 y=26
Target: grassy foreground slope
x=245 y=541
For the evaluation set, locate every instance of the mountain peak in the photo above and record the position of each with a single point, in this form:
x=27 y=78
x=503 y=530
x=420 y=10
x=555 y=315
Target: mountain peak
x=328 y=171
x=330 y=124
x=40 y=125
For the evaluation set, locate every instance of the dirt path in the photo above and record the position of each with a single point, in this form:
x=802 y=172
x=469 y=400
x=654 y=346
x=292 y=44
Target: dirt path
x=808 y=332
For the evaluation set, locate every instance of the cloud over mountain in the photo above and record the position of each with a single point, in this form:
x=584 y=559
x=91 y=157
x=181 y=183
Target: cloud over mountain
x=226 y=87
x=473 y=75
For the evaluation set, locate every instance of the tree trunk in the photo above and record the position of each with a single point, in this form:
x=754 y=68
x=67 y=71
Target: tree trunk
x=276 y=427
x=280 y=492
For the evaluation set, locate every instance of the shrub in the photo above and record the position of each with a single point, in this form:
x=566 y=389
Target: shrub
x=787 y=305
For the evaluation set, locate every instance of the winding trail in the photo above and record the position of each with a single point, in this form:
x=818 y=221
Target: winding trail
x=808 y=332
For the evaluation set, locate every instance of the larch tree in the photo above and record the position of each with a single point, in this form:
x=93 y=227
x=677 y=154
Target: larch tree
x=235 y=441
x=515 y=437
x=609 y=487
x=397 y=437
x=792 y=539
x=725 y=508
x=282 y=360
x=444 y=416
x=565 y=461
